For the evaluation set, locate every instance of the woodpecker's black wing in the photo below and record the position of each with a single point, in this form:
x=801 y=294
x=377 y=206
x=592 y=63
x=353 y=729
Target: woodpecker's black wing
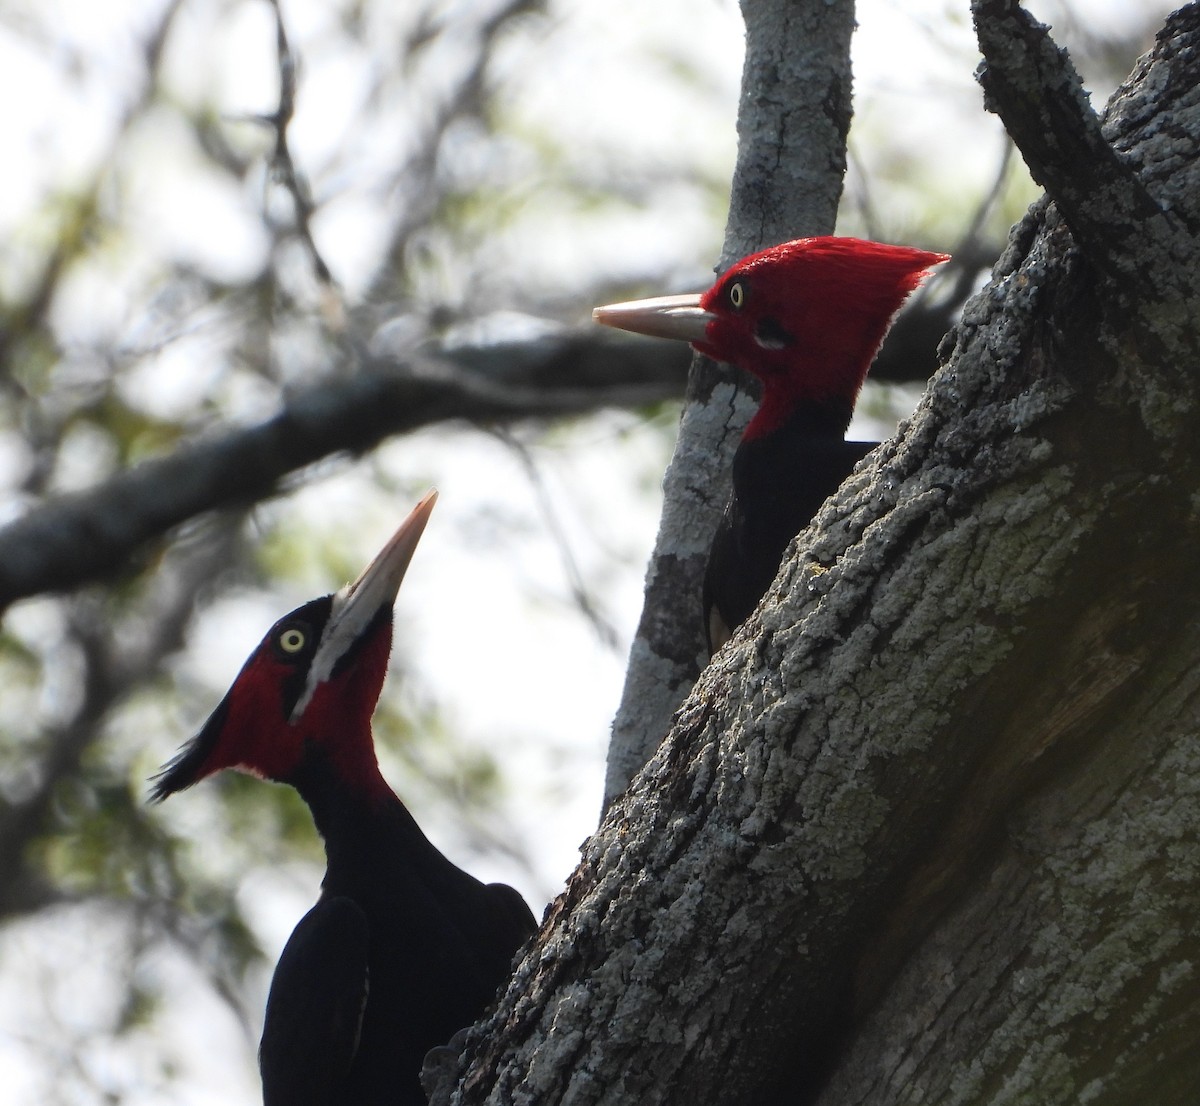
x=514 y=921
x=315 y=1007
x=779 y=483
x=510 y=924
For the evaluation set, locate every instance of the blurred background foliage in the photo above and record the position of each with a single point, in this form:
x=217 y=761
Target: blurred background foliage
x=209 y=203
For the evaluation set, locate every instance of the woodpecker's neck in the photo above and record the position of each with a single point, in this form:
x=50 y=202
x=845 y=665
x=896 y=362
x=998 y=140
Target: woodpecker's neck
x=369 y=834
x=336 y=790
x=782 y=410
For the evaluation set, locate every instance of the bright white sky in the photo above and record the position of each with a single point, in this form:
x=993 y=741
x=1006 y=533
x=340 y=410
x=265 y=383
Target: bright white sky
x=526 y=677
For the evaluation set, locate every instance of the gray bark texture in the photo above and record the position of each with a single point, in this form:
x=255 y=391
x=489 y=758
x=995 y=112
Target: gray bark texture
x=792 y=123
x=926 y=831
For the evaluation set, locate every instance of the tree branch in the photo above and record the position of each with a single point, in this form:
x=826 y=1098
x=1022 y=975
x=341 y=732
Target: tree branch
x=283 y=166
x=968 y=707
x=1124 y=189
x=88 y=535
x=1031 y=84
x=793 y=118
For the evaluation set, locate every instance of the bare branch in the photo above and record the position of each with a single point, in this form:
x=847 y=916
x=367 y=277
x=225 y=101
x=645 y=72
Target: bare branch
x=1032 y=85
x=416 y=178
x=973 y=683
x=792 y=122
x=580 y=592
x=283 y=166
x=86 y=536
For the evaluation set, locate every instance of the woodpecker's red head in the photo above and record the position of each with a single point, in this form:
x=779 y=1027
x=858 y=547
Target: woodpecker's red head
x=311 y=686
x=806 y=317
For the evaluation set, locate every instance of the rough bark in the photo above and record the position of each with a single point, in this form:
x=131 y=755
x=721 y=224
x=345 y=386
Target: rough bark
x=792 y=123
x=1065 y=968
x=925 y=832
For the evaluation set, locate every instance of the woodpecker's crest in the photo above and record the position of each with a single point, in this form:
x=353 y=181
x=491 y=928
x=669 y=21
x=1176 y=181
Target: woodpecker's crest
x=806 y=317
x=818 y=306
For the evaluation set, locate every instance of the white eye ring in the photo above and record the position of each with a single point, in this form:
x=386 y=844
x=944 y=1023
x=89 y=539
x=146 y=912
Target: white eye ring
x=737 y=295
x=292 y=640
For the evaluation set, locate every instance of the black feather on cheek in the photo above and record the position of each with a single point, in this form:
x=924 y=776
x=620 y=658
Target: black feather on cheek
x=311 y=619
x=292 y=688
x=770 y=335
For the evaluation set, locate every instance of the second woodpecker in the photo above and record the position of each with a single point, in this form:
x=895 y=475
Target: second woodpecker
x=806 y=318
x=403 y=948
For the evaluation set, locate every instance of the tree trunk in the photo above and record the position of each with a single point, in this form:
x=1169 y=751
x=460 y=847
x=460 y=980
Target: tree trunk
x=792 y=123
x=926 y=830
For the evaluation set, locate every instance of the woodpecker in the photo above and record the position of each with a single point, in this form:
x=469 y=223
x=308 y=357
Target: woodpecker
x=806 y=318
x=403 y=948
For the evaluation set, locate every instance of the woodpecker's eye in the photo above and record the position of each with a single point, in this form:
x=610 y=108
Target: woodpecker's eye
x=737 y=295
x=292 y=640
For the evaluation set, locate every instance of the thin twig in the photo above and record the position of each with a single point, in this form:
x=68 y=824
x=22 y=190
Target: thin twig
x=283 y=165
x=88 y=535
x=605 y=631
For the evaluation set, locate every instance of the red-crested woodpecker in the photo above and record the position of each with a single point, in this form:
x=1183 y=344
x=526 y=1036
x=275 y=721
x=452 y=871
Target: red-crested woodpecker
x=806 y=318
x=403 y=948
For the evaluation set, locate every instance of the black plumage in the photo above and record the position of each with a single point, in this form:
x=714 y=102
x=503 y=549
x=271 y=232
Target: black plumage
x=403 y=949
x=779 y=483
